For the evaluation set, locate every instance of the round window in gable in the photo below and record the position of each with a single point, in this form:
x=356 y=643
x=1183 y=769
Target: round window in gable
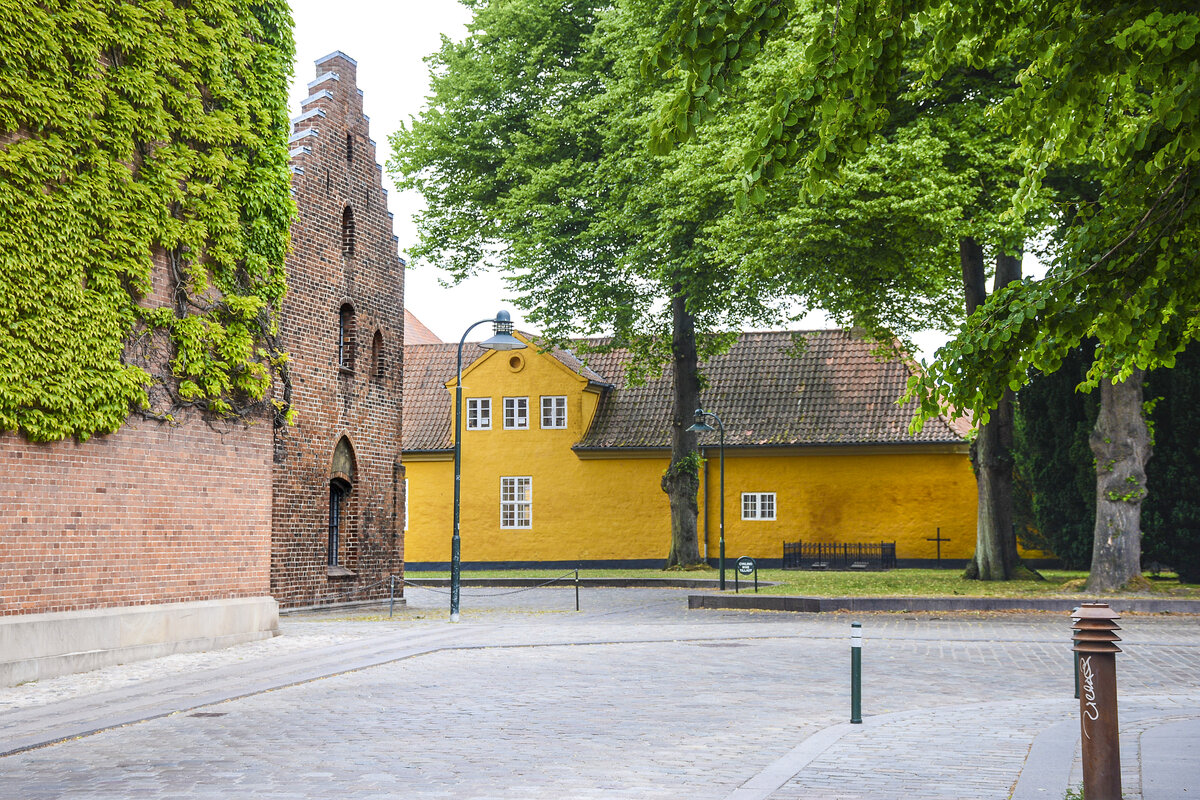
x=516 y=362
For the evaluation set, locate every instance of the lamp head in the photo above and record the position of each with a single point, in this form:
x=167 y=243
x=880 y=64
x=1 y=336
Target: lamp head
x=700 y=425
x=502 y=339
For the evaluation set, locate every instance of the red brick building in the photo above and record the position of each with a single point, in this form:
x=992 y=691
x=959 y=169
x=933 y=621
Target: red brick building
x=336 y=532
x=165 y=538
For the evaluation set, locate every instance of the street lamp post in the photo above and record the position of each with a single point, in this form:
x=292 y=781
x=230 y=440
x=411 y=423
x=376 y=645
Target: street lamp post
x=502 y=328
x=701 y=426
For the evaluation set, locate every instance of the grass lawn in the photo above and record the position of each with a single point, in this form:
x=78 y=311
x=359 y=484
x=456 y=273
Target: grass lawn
x=891 y=583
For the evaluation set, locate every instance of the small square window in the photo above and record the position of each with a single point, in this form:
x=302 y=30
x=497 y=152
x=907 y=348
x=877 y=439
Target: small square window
x=554 y=412
x=479 y=413
x=516 y=413
x=758 y=505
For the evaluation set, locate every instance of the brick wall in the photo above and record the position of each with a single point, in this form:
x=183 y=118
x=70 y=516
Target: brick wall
x=335 y=264
x=149 y=514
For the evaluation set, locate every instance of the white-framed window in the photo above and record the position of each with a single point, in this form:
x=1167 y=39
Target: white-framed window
x=516 y=502
x=479 y=413
x=758 y=505
x=554 y=411
x=516 y=413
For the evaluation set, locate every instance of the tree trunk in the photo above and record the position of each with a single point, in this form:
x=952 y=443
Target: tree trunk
x=991 y=454
x=1121 y=444
x=681 y=481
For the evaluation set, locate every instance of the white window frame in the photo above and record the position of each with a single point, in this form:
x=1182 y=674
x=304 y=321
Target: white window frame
x=481 y=409
x=516 y=507
x=554 y=411
x=757 y=505
x=516 y=413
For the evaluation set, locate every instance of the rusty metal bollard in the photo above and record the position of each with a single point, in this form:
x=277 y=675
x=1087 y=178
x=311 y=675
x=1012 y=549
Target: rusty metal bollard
x=1094 y=639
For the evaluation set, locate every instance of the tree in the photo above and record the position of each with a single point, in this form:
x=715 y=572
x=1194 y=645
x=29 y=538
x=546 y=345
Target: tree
x=1115 y=85
x=532 y=159
x=908 y=218
x=1171 y=512
x=1053 y=425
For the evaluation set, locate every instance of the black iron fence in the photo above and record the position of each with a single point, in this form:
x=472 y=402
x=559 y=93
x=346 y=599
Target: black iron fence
x=832 y=555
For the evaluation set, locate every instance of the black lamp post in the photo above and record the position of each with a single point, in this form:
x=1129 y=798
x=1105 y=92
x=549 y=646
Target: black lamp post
x=701 y=426
x=502 y=328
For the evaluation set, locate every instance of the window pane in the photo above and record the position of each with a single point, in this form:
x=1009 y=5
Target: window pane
x=516 y=502
x=767 y=502
x=749 y=506
x=516 y=412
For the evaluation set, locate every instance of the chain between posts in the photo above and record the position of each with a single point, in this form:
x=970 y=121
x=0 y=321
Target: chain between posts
x=408 y=582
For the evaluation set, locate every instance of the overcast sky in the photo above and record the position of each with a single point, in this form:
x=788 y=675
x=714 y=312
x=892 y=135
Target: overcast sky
x=389 y=41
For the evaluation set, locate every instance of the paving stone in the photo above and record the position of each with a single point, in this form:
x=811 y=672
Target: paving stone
x=634 y=697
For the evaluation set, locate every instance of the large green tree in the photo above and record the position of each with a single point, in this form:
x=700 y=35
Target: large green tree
x=532 y=158
x=919 y=210
x=1117 y=85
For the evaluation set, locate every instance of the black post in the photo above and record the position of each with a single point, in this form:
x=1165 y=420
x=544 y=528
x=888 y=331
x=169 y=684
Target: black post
x=391 y=595
x=576 y=589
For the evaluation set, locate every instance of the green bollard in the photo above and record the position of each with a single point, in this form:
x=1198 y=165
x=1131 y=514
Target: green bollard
x=856 y=673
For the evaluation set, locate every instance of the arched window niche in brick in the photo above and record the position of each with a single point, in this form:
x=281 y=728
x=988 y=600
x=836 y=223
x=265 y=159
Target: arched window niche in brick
x=339 y=545
x=345 y=336
x=377 y=356
x=347 y=233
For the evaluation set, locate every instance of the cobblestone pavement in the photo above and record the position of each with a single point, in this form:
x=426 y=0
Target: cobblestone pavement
x=634 y=697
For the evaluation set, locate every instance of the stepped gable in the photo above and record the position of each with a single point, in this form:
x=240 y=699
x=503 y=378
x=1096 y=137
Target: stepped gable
x=343 y=325
x=773 y=389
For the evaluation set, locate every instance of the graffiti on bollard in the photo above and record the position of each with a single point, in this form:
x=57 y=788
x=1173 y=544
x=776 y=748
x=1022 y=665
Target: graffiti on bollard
x=1095 y=649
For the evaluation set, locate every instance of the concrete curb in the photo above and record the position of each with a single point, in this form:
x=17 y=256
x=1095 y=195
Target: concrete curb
x=626 y=583
x=824 y=604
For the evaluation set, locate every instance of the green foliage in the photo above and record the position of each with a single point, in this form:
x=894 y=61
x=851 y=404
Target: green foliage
x=689 y=465
x=1171 y=511
x=1115 y=87
x=130 y=134
x=1052 y=455
x=532 y=159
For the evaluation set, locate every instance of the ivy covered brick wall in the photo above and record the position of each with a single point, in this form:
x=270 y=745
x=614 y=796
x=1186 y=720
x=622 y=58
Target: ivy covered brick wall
x=135 y=134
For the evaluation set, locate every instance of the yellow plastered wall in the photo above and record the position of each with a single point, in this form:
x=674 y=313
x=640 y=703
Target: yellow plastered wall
x=853 y=495
x=582 y=510
x=613 y=509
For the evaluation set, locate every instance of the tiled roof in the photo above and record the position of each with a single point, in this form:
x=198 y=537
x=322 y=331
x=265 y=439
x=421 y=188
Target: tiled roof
x=426 y=402
x=415 y=331
x=835 y=392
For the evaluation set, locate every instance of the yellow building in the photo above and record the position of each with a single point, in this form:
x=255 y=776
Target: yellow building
x=561 y=462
